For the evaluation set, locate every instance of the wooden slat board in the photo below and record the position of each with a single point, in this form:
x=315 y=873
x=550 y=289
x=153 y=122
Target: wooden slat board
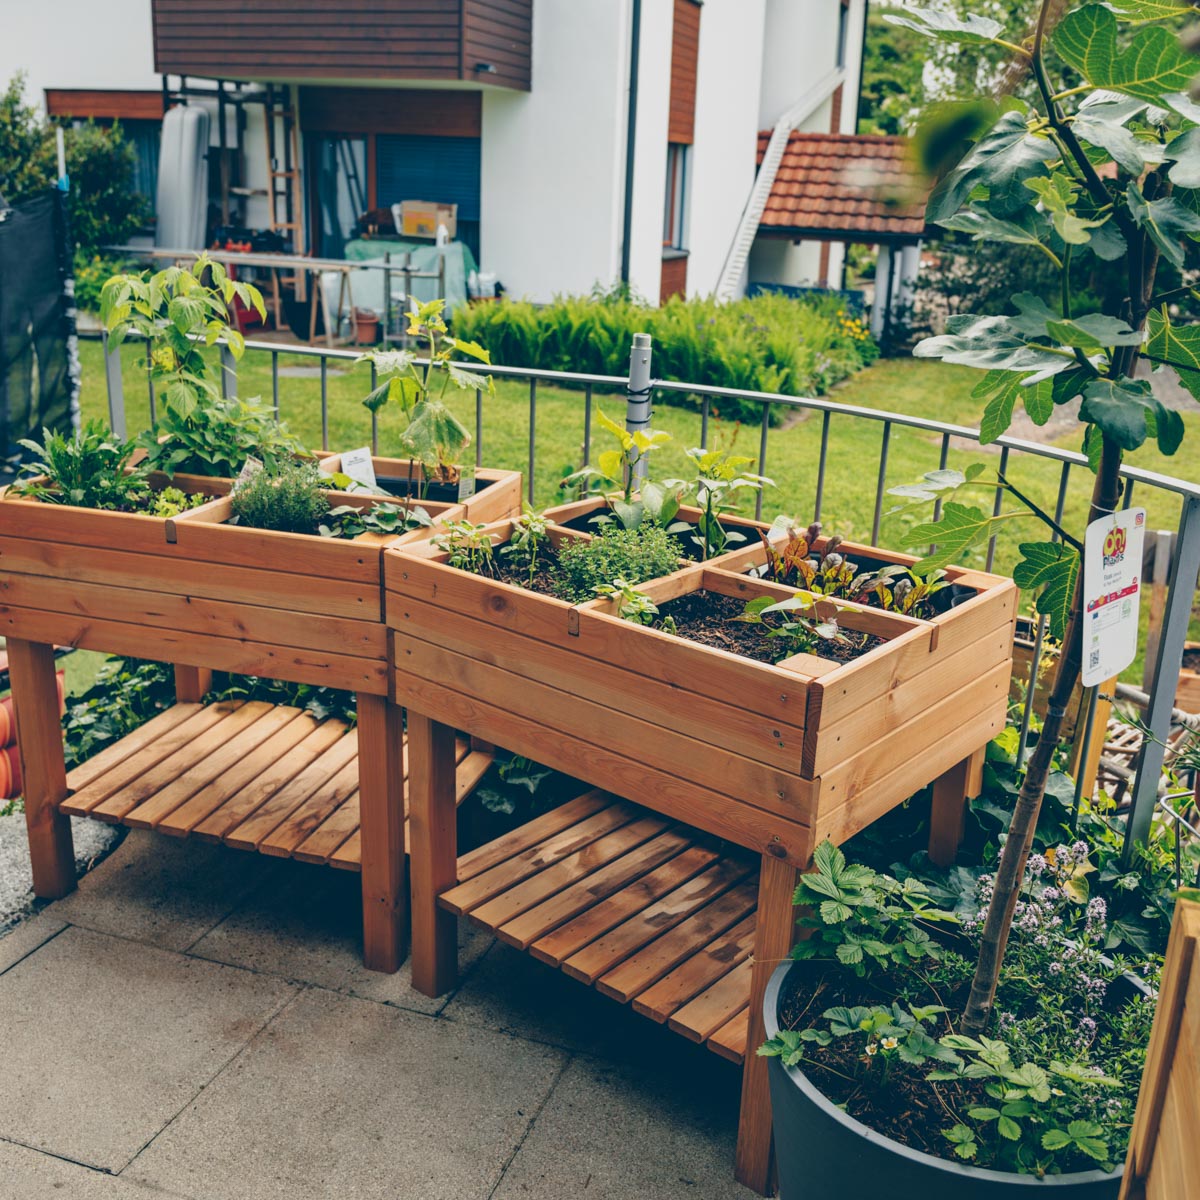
x=254 y=776
x=647 y=911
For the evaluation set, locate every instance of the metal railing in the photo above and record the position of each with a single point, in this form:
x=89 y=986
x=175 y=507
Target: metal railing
x=1168 y=645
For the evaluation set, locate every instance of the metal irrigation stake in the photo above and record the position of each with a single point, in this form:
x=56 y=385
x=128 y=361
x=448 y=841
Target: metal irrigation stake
x=637 y=393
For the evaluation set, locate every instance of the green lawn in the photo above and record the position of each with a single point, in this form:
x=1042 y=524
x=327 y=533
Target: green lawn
x=899 y=385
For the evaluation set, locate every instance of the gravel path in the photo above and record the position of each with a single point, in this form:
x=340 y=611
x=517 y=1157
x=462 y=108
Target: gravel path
x=93 y=841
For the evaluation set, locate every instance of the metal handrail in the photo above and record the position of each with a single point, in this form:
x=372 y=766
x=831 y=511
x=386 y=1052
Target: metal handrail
x=1185 y=562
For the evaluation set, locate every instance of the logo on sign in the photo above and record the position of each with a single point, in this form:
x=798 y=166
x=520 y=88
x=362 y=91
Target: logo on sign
x=1114 y=546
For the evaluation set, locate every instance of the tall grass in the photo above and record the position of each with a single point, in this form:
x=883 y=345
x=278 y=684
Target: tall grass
x=770 y=343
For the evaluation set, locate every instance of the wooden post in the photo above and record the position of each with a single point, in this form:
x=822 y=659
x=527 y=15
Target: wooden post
x=950 y=794
x=774 y=933
x=39 y=736
x=191 y=684
x=432 y=816
x=381 y=818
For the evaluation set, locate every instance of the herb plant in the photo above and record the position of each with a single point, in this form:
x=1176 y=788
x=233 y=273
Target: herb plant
x=467 y=546
x=347 y=521
x=526 y=544
x=289 y=499
x=1053 y=1091
x=434 y=437
x=617 y=472
x=1106 y=163
x=170 y=502
x=645 y=552
x=217 y=437
x=720 y=477
x=632 y=605
x=800 y=628
x=88 y=469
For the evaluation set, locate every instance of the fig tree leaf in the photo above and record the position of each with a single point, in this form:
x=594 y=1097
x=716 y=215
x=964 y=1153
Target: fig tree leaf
x=1000 y=161
x=1053 y=568
x=960 y=528
x=945 y=27
x=1147 y=65
x=1149 y=10
x=1165 y=220
x=1183 y=153
x=982 y=226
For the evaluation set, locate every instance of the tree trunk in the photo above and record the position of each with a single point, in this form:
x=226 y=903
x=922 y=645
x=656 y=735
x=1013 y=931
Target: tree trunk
x=1007 y=885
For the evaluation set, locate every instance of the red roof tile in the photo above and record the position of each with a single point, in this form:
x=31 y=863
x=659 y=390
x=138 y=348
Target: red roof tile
x=845 y=183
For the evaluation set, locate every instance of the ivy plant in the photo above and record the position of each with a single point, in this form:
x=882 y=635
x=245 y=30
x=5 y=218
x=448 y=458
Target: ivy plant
x=1104 y=162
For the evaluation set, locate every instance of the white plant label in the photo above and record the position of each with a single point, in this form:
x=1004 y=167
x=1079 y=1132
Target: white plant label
x=1112 y=569
x=358 y=466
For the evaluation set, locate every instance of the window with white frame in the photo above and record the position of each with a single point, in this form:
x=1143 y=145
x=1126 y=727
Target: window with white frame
x=675 y=207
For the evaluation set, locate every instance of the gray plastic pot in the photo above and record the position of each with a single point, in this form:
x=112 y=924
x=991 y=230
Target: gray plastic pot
x=823 y=1154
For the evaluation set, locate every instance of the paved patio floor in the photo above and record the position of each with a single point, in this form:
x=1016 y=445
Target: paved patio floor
x=195 y=1022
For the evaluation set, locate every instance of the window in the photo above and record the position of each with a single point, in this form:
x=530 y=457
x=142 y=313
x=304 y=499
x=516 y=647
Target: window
x=843 y=32
x=675 y=208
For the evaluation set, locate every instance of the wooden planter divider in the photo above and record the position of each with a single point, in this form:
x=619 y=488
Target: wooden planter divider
x=676 y=897
x=202 y=594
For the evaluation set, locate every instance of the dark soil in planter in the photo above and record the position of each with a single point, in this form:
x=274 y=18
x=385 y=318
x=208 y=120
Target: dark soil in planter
x=506 y=570
x=907 y=1109
x=1191 y=659
x=710 y=619
x=402 y=486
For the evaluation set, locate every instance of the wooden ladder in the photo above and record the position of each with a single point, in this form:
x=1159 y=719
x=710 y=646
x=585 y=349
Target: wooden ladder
x=284 y=184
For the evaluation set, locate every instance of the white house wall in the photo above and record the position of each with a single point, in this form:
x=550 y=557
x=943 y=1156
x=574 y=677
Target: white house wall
x=723 y=156
x=552 y=159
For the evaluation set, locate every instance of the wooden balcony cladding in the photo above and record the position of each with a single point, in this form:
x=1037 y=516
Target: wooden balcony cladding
x=106 y=105
x=344 y=110
x=347 y=39
x=685 y=51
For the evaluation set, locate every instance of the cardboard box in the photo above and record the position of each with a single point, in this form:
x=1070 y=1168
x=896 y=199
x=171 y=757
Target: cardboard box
x=421 y=218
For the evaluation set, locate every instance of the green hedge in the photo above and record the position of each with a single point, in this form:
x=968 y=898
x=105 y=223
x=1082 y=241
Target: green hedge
x=771 y=343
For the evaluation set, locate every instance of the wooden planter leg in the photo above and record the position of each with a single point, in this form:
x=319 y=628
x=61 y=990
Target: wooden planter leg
x=381 y=820
x=39 y=736
x=951 y=792
x=774 y=933
x=432 y=816
x=191 y=684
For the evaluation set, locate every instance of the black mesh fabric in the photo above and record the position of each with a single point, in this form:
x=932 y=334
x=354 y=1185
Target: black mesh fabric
x=37 y=379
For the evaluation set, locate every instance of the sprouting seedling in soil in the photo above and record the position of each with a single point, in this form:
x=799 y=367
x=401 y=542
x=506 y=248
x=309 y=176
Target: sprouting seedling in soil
x=632 y=605
x=467 y=546
x=525 y=544
x=719 y=479
x=800 y=631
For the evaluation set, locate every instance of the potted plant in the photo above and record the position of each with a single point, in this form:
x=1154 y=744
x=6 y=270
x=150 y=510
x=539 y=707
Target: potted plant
x=873 y=1087
x=1102 y=167
x=434 y=439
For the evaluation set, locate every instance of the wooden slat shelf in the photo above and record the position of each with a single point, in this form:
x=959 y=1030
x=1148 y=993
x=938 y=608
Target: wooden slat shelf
x=252 y=775
x=647 y=910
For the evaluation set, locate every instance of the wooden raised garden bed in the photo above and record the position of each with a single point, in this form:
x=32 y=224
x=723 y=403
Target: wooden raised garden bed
x=201 y=593
x=711 y=747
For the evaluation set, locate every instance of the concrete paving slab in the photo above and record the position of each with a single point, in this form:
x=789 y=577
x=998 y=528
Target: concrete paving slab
x=105 y=1040
x=25 y=938
x=514 y=993
x=307 y=924
x=31 y=1175
x=344 y=1098
x=165 y=891
x=658 y=1128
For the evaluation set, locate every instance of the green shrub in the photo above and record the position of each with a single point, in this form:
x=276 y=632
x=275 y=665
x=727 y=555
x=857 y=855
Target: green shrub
x=88 y=468
x=288 y=499
x=769 y=343
x=103 y=206
x=634 y=555
x=91 y=272
x=126 y=694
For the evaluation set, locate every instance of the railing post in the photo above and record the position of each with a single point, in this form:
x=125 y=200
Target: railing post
x=116 y=387
x=637 y=393
x=1180 y=594
x=228 y=373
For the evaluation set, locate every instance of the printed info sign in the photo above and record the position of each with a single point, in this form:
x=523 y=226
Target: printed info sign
x=1112 y=568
